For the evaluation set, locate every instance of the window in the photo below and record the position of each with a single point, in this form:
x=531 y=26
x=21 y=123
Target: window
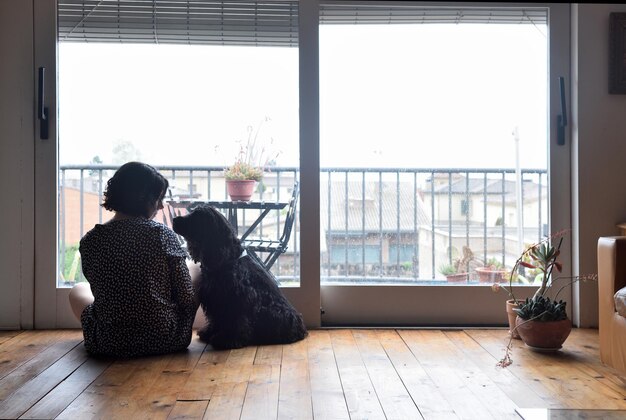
x=454 y=84
x=355 y=254
x=368 y=196
x=465 y=207
x=187 y=87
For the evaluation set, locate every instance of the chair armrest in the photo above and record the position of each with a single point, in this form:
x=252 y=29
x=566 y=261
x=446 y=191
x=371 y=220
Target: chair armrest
x=611 y=278
x=611 y=274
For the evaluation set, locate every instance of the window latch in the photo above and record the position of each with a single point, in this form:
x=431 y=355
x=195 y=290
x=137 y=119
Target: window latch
x=561 y=119
x=42 y=110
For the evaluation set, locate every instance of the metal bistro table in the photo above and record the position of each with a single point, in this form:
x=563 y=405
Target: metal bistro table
x=271 y=249
x=231 y=208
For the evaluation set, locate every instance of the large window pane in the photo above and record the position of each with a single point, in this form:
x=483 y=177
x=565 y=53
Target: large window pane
x=188 y=110
x=433 y=145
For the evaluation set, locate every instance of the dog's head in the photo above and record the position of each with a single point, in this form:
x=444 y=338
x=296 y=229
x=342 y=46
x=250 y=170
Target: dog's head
x=211 y=240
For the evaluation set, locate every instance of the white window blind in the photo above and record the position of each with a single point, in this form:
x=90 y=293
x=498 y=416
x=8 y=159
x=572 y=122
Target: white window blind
x=272 y=22
x=386 y=12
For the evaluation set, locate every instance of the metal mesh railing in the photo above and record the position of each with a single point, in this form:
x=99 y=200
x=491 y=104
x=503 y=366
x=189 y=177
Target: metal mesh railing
x=378 y=225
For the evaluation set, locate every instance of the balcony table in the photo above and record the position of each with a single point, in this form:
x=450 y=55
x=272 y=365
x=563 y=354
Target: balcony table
x=231 y=208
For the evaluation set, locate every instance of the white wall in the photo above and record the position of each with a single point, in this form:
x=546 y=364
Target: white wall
x=599 y=140
x=16 y=164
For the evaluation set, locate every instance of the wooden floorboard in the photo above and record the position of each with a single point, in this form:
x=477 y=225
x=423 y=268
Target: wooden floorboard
x=67 y=391
x=23 y=347
x=8 y=335
x=326 y=389
x=230 y=390
x=32 y=391
x=442 y=364
x=335 y=373
x=429 y=398
x=294 y=394
x=393 y=396
x=358 y=389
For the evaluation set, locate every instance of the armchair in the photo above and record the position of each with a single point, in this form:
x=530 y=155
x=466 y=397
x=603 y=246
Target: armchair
x=611 y=279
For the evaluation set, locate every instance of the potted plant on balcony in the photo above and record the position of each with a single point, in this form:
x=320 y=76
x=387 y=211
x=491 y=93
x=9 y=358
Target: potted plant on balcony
x=452 y=276
x=241 y=178
x=249 y=166
x=458 y=270
x=492 y=272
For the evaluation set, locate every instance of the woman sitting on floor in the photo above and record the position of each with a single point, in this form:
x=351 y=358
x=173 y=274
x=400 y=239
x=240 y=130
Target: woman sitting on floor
x=139 y=297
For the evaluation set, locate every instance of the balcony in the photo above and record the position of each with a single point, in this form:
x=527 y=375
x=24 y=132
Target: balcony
x=378 y=226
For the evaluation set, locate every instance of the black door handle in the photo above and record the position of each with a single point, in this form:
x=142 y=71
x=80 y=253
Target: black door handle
x=42 y=110
x=561 y=120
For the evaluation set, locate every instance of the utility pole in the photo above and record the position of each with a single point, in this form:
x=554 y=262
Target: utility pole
x=518 y=193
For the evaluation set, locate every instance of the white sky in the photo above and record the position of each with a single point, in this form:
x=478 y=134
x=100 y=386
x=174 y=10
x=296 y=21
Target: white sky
x=390 y=96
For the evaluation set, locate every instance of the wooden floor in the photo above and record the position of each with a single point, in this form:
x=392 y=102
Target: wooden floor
x=339 y=374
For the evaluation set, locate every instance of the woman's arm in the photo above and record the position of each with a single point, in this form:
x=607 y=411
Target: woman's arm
x=182 y=290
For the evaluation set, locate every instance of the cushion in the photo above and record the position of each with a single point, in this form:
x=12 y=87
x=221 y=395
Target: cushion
x=620 y=301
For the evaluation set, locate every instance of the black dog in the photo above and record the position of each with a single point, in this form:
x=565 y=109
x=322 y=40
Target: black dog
x=239 y=296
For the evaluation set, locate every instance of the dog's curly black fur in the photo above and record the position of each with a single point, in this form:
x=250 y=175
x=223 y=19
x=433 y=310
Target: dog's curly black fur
x=239 y=297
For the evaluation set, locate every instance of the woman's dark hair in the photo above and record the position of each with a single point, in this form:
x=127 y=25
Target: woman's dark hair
x=133 y=188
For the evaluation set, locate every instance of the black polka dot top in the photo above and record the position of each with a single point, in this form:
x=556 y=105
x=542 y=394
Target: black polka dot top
x=143 y=295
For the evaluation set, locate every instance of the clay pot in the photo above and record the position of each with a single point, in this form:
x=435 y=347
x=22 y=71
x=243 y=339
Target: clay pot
x=457 y=278
x=489 y=275
x=510 y=305
x=240 y=190
x=545 y=336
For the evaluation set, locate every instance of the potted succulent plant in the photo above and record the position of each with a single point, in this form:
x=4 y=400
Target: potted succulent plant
x=541 y=321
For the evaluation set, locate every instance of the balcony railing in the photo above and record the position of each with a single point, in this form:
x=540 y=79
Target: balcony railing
x=383 y=225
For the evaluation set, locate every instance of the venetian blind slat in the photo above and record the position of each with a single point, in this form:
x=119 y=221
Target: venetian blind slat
x=405 y=12
x=273 y=22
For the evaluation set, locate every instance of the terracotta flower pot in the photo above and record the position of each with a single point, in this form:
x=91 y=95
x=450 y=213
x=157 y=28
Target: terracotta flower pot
x=489 y=275
x=240 y=190
x=457 y=278
x=546 y=336
x=510 y=305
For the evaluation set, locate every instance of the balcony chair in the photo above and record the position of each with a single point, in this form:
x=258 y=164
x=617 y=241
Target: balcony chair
x=169 y=213
x=275 y=247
